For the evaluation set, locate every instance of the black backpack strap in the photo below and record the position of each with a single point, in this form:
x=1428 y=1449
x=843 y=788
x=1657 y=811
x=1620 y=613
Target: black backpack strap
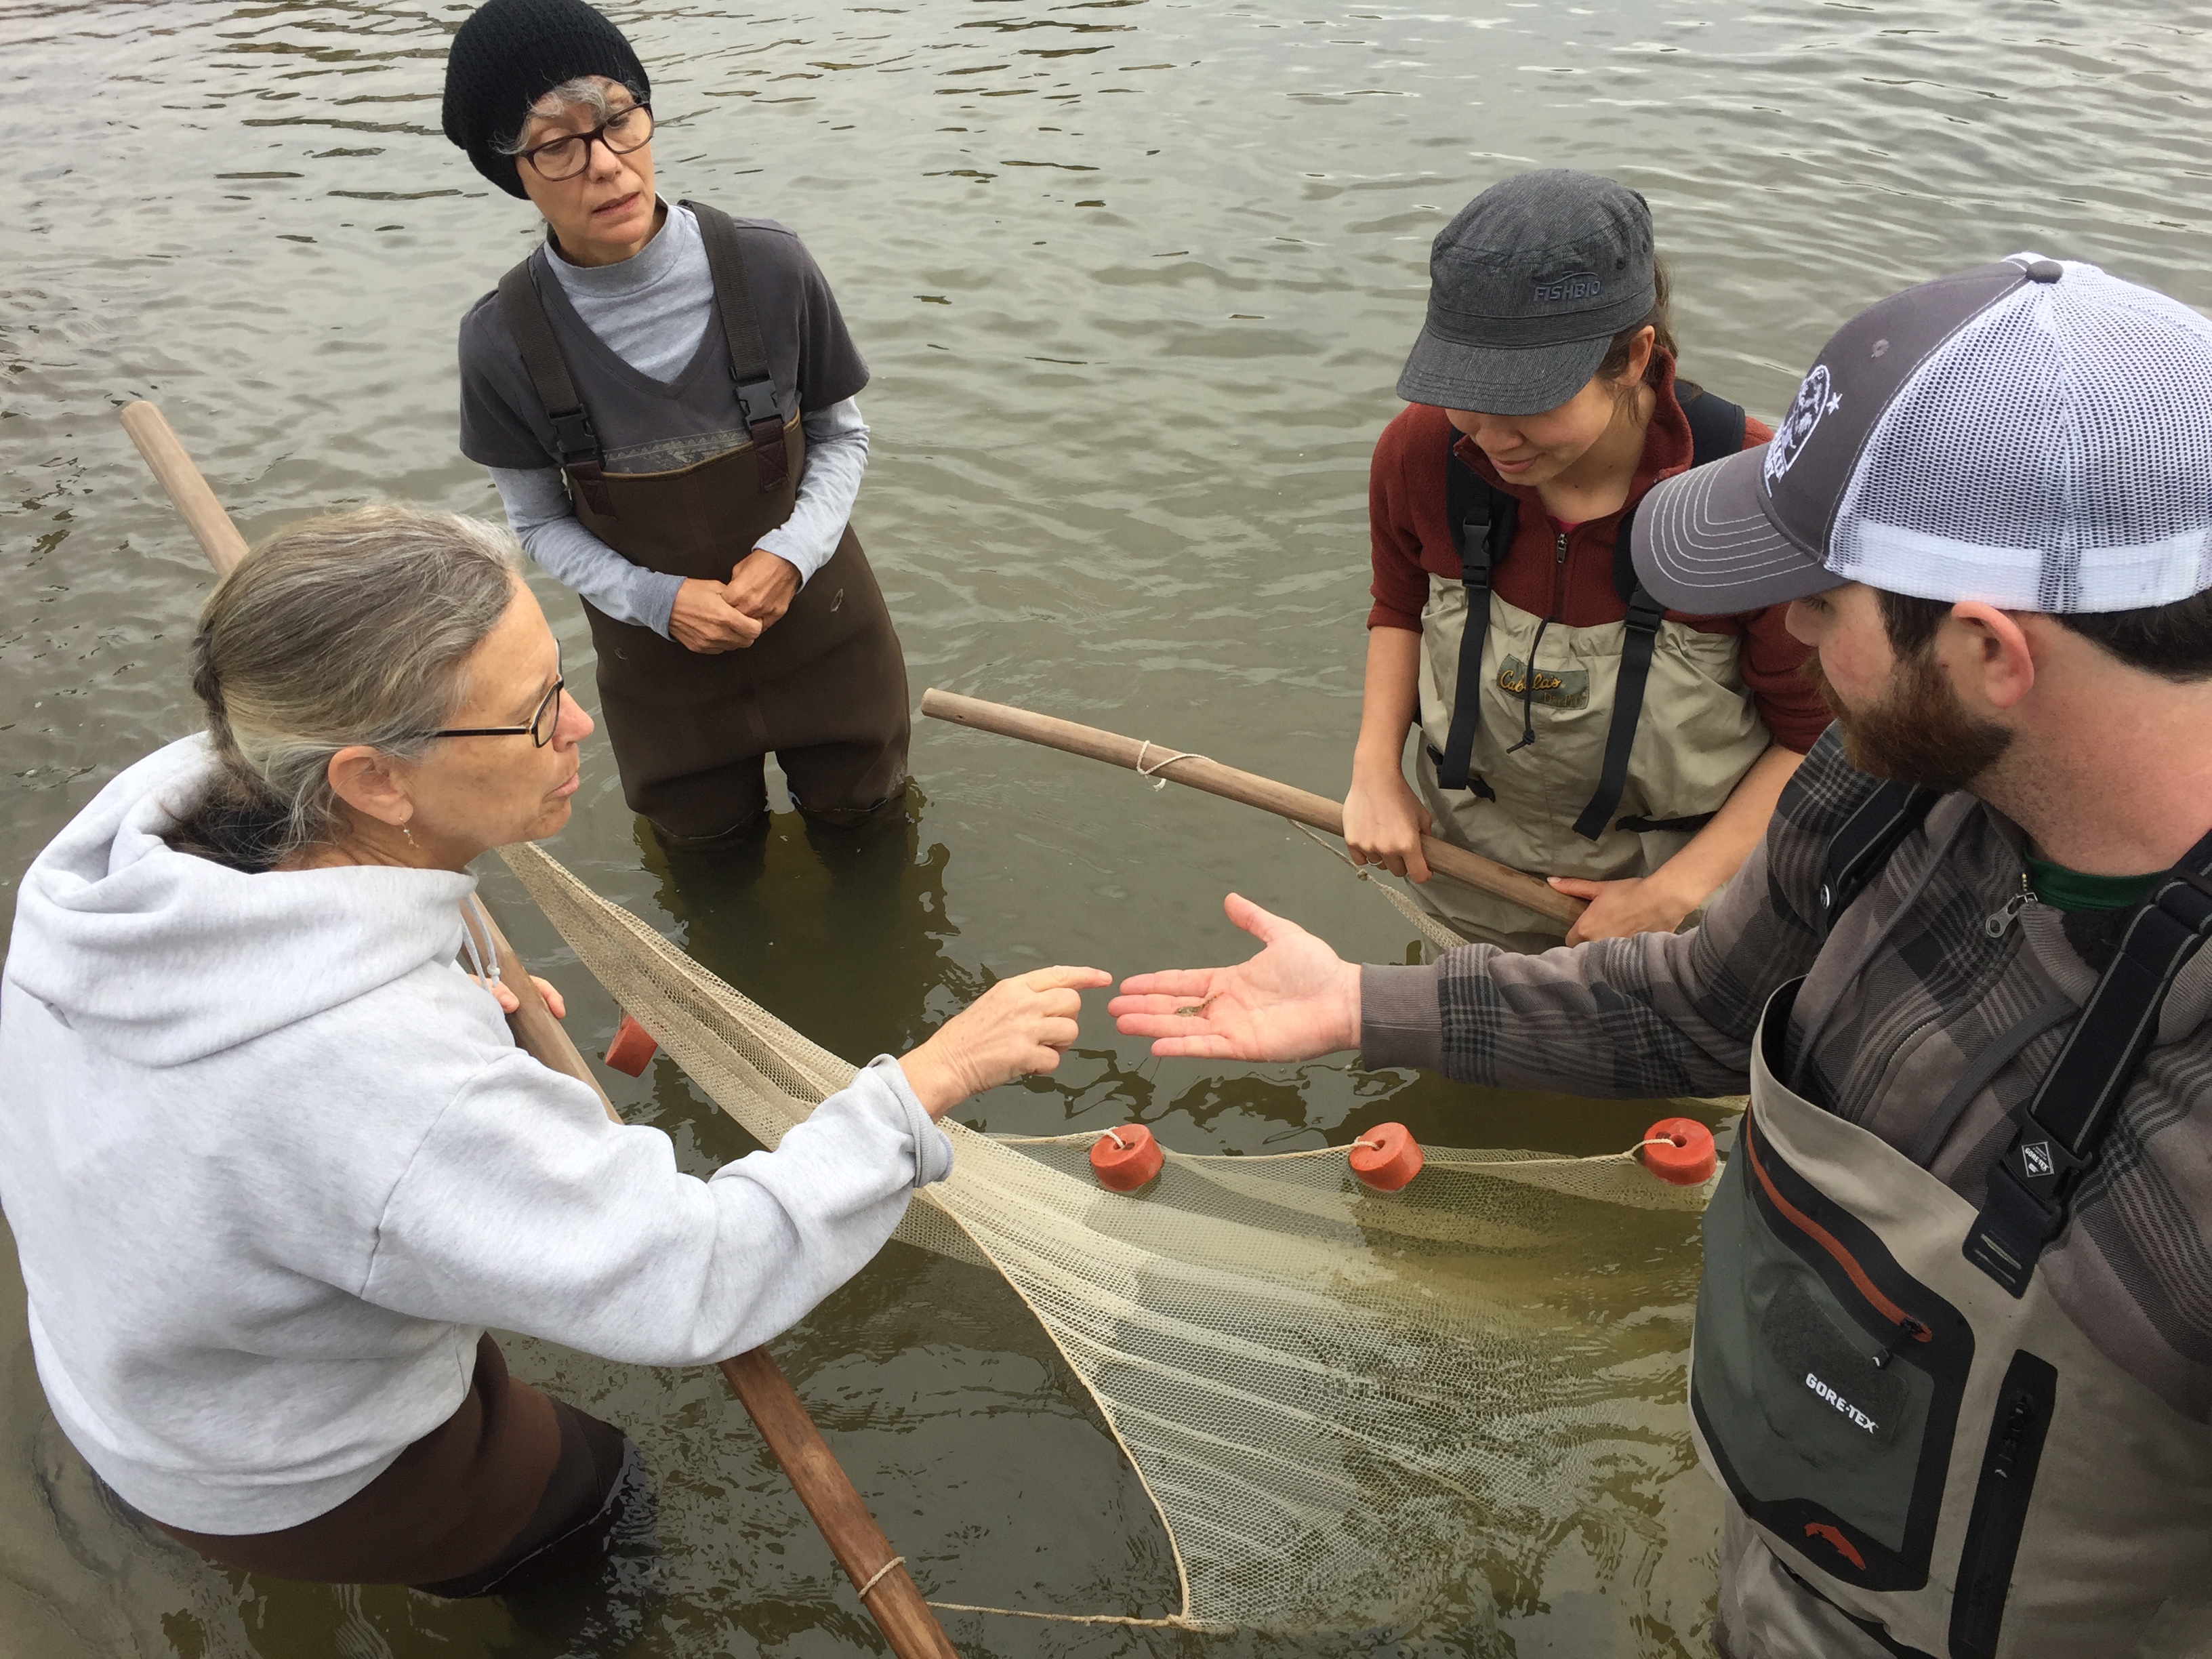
x=573 y=439
x=2063 y=1132
x=1858 y=851
x=1717 y=429
x=1482 y=521
x=748 y=367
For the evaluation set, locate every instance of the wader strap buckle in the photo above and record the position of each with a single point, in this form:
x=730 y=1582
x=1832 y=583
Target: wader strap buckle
x=1476 y=783
x=741 y=335
x=574 y=441
x=1641 y=640
x=2063 y=1134
x=756 y=406
x=582 y=458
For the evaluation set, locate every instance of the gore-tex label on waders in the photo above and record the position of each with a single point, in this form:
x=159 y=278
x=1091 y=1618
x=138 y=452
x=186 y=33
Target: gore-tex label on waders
x=1838 y=1364
x=1826 y=1393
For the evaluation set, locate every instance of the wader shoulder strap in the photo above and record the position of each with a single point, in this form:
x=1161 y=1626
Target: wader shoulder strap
x=749 y=369
x=1858 y=851
x=1482 y=522
x=573 y=439
x=2063 y=1132
x=1716 y=431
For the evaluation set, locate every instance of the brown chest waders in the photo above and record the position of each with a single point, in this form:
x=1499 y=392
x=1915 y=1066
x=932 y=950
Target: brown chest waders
x=823 y=689
x=1885 y=1385
x=1535 y=748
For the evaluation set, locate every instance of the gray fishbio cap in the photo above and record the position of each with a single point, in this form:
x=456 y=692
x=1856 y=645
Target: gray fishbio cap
x=2031 y=434
x=1526 y=287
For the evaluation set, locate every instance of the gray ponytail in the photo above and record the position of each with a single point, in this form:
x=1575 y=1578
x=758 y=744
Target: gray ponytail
x=354 y=627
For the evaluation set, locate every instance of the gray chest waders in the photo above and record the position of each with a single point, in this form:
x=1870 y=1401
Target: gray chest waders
x=1483 y=519
x=1887 y=1387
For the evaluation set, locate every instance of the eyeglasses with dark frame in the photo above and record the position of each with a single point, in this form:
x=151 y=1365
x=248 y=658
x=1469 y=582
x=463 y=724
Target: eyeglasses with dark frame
x=622 y=132
x=544 y=720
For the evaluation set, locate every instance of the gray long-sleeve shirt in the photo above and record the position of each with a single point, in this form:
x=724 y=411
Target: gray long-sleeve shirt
x=652 y=310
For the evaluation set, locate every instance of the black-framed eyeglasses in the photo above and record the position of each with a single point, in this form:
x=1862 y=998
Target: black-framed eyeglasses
x=544 y=720
x=569 y=155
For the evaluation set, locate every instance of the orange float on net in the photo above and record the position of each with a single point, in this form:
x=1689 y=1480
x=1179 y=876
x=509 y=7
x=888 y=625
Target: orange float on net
x=1126 y=1158
x=633 y=1049
x=1680 y=1150
x=1386 y=1156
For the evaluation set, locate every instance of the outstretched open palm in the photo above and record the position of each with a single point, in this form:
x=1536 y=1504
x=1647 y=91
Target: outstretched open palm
x=1295 y=1000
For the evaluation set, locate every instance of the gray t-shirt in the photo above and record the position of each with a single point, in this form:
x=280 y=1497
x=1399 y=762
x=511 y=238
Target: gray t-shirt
x=647 y=425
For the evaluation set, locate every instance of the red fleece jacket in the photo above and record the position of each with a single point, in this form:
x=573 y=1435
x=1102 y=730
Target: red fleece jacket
x=1412 y=538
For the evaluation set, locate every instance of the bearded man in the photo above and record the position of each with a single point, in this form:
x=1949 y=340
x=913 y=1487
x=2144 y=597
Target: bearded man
x=1952 y=1357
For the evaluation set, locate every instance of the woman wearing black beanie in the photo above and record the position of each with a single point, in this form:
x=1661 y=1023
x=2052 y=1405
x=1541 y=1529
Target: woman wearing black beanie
x=664 y=398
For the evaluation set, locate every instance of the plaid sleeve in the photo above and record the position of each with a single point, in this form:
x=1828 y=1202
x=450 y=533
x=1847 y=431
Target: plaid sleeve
x=1657 y=1014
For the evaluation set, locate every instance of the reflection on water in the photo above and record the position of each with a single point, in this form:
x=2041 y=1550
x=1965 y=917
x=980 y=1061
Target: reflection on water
x=783 y=916
x=1134 y=278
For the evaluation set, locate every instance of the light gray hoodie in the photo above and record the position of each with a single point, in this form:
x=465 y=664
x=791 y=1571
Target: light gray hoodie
x=273 y=1162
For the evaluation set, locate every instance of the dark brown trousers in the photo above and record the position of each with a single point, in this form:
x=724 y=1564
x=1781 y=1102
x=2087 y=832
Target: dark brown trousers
x=824 y=691
x=468 y=1510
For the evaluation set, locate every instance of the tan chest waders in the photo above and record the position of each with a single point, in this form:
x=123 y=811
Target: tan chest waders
x=824 y=688
x=1885 y=1384
x=1573 y=751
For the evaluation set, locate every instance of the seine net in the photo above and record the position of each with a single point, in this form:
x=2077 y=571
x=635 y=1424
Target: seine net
x=1346 y=1406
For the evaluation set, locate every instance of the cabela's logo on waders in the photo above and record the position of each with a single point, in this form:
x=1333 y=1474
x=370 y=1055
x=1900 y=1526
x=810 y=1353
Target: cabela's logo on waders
x=1815 y=398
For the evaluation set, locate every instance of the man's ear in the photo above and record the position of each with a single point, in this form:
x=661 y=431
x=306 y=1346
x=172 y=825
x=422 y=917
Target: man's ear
x=365 y=780
x=1987 y=655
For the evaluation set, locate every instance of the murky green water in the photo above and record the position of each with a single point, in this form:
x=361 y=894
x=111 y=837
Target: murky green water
x=1134 y=278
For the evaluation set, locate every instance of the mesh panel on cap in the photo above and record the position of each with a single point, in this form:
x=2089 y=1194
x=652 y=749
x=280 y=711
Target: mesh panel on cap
x=2055 y=454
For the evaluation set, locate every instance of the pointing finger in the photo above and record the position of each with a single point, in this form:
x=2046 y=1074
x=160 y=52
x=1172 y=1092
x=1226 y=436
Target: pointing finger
x=1084 y=979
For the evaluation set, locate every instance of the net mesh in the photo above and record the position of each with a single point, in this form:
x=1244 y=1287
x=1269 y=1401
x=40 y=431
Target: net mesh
x=1344 y=1405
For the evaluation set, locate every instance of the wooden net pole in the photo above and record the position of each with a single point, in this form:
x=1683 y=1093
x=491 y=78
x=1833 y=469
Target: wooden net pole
x=1299 y=806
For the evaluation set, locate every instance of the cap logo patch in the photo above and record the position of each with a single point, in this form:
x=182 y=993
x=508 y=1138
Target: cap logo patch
x=1814 y=399
x=1583 y=285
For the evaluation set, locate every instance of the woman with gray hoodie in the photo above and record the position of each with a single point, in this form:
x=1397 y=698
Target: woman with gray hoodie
x=271 y=1158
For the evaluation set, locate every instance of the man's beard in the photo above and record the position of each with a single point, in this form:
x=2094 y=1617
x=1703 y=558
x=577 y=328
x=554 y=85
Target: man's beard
x=1920 y=733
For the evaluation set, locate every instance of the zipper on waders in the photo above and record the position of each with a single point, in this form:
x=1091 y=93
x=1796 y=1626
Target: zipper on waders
x=2001 y=1500
x=1999 y=920
x=1908 y=1329
x=1529 y=674
x=1904 y=1327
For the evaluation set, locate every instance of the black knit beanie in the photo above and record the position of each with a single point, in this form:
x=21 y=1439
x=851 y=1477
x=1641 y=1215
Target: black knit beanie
x=509 y=55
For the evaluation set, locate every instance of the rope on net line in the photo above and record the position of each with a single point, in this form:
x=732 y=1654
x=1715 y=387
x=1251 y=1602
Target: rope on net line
x=1170 y=1622
x=1087 y=1136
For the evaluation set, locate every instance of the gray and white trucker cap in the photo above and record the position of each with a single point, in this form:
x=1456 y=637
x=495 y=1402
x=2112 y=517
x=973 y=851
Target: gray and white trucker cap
x=1528 y=285
x=2033 y=434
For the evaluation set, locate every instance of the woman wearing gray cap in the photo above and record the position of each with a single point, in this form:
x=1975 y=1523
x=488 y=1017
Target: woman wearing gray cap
x=663 y=396
x=1569 y=725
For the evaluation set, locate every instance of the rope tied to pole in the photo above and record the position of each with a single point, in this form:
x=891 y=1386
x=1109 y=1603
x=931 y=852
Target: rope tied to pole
x=880 y=1574
x=1160 y=765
